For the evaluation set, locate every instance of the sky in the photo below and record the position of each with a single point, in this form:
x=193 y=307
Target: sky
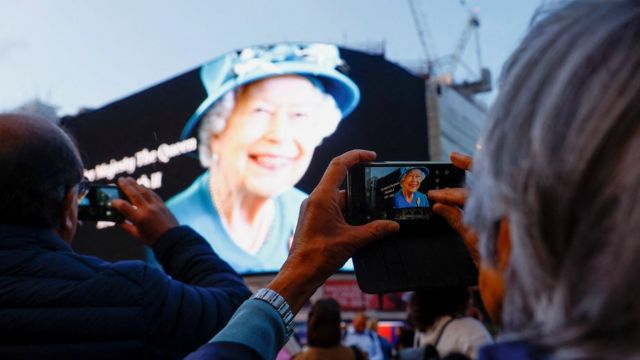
x=87 y=53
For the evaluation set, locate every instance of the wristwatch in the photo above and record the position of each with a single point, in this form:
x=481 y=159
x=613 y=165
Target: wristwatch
x=280 y=304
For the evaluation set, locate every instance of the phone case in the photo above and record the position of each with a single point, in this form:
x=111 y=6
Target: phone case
x=412 y=260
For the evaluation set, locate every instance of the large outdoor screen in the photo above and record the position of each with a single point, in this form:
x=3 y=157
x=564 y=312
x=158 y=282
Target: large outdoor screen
x=235 y=145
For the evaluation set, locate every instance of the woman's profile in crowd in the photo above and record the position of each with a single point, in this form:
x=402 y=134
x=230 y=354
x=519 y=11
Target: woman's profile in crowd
x=555 y=188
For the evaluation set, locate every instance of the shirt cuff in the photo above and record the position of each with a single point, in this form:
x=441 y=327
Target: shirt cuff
x=258 y=325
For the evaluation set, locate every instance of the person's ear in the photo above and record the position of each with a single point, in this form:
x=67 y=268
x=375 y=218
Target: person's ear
x=491 y=278
x=68 y=216
x=503 y=250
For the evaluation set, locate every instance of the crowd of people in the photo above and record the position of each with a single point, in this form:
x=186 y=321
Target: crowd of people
x=551 y=216
x=437 y=321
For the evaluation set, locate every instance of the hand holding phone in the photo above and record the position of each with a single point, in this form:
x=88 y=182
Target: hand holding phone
x=323 y=240
x=138 y=210
x=147 y=217
x=427 y=252
x=97 y=204
x=448 y=204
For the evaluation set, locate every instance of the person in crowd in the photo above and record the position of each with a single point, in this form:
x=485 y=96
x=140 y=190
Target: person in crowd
x=366 y=340
x=387 y=349
x=408 y=195
x=552 y=206
x=438 y=315
x=56 y=303
x=268 y=108
x=324 y=334
x=405 y=339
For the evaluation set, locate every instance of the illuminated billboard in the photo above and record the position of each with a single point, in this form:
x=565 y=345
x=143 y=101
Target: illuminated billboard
x=235 y=145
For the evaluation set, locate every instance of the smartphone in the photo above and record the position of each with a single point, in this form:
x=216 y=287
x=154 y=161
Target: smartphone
x=426 y=252
x=96 y=206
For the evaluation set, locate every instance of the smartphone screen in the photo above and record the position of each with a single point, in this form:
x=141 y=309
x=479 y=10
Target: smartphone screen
x=397 y=191
x=96 y=206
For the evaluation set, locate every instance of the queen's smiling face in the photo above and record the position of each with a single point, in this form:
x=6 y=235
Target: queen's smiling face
x=270 y=136
x=412 y=180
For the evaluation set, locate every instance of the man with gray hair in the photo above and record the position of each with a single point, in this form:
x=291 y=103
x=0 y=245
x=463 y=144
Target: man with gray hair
x=553 y=205
x=55 y=303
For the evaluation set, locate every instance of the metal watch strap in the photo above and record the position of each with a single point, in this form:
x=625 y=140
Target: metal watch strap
x=280 y=304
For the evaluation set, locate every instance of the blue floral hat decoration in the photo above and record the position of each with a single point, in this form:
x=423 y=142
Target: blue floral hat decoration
x=321 y=63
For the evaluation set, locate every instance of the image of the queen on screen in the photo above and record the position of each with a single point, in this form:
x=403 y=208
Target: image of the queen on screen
x=267 y=109
x=409 y=195
x=397 y=193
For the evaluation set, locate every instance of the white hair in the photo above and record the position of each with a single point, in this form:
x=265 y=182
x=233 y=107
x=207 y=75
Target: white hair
x=561 y=160
x=213 y=122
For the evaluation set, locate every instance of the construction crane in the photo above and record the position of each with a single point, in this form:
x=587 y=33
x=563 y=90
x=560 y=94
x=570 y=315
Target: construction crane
x=420 y=21
x=443 y=69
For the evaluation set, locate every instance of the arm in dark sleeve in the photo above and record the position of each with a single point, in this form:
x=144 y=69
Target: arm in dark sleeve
x=188 y=257
x=188 y=309
x=225 y=350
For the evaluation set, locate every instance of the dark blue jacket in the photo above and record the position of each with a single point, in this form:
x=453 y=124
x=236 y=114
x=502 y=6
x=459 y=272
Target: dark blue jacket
x=55 y=303
x=512 y=350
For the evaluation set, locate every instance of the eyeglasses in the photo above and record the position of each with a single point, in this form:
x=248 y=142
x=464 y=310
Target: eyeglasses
x=83 y=189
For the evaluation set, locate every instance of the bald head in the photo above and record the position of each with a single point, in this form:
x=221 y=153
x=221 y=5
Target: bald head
x=39 y=163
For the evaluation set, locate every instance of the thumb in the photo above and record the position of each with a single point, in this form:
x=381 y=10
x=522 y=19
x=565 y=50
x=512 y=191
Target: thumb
x=374 y=231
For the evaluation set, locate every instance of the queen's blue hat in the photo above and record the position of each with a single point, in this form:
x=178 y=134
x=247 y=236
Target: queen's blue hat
x=319 y=62
x=405 y=170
